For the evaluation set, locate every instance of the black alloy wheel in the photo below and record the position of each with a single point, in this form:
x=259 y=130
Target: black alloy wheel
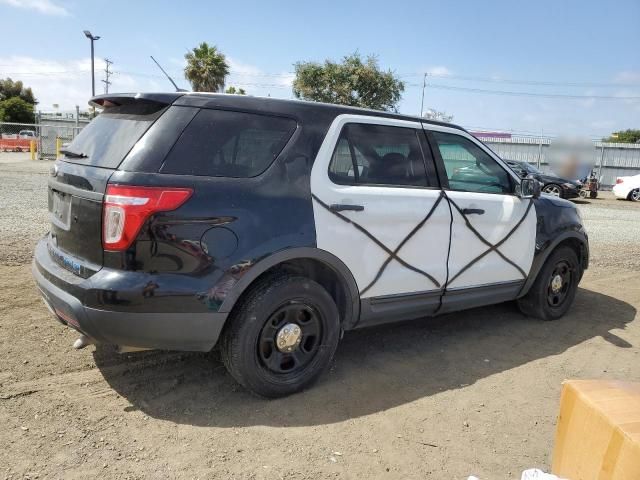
x=290 y=338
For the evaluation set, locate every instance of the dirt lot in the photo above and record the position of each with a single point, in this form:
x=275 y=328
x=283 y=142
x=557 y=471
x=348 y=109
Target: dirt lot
x=469 y=393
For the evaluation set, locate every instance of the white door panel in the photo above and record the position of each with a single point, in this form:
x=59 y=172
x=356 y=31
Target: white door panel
x=389 y=216
x=388 y=246
x=502 y=214
x=495 y=218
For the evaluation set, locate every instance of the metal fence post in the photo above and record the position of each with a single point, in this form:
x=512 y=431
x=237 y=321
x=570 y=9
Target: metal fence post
x=601 y=162
x=539 y=152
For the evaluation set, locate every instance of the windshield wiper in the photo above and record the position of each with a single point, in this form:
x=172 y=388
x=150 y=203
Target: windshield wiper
x=71 y=154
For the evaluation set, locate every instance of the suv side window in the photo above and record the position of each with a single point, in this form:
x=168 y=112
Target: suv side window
x=369 y=154
x=469 y=168
x=228 y=144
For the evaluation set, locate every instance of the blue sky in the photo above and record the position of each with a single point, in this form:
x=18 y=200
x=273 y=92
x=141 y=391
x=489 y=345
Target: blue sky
x=584 y=48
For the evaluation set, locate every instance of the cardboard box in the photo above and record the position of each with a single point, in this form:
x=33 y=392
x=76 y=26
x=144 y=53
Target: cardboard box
x=598 y=432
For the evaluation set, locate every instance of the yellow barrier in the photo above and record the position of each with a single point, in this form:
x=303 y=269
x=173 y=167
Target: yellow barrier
x=58 y=147
x=32 y=149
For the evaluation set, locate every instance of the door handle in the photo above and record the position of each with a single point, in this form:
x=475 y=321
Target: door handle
x=341 y=207
x=473 y=211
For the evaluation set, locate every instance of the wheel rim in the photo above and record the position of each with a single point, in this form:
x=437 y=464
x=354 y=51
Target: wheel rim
x=552 y=190
x=290 y=339
x=635 y=195
x=559 y=284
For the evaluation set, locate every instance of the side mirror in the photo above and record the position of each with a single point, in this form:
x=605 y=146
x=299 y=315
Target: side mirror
x=529 y=188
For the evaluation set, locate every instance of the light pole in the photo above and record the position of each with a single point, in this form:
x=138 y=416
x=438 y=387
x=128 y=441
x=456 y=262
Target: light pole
x=87 y=34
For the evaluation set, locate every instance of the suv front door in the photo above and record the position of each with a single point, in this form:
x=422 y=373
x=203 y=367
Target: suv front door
x=378 y=207
x=493 y=230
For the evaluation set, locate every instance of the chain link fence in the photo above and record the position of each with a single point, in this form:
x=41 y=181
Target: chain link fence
x=35 y=141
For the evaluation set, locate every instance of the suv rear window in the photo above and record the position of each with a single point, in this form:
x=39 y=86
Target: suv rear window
x=221 y=143
x=109 y=137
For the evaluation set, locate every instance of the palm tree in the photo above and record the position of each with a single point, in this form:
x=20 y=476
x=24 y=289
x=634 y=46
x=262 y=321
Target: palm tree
x=206 y=68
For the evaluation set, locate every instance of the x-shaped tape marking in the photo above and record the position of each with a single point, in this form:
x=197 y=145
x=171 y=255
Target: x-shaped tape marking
x=492 y=247
x=392 y=254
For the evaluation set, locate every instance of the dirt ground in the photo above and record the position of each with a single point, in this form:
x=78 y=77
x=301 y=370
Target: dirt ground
x=468 y=393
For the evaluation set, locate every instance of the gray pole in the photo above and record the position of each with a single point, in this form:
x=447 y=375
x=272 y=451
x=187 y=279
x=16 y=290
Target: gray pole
x=424 y=85
x=92 y=38
x=93 y=76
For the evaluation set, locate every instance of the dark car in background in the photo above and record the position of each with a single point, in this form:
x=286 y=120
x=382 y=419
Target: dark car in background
x=550 y=183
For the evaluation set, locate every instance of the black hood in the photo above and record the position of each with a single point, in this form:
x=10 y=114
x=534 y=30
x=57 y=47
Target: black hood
x=554 y=179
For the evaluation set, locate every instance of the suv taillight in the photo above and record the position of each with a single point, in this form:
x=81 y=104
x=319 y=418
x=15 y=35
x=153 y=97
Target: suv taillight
x=619 y=180
x=126 y=208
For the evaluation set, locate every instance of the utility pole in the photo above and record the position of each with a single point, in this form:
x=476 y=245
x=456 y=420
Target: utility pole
x=107 y=74
x=424 y=85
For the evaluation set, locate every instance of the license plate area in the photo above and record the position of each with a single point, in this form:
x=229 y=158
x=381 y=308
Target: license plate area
x=61 y=209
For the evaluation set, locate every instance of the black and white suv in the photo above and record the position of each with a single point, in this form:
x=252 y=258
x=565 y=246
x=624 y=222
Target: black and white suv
x=269 y=227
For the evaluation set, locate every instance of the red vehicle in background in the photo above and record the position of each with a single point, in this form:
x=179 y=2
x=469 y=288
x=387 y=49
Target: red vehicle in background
x=20 y=142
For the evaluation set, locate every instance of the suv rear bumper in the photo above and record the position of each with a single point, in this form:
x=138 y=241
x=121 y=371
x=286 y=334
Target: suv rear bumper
x=167 y=331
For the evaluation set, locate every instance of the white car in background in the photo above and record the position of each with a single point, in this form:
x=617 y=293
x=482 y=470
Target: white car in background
x=628 y=188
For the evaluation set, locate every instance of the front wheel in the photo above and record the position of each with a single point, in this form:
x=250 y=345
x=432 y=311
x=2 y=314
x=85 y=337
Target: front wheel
x=553 y=189
x=282 y=336
x=554 y=288
x=634 y=195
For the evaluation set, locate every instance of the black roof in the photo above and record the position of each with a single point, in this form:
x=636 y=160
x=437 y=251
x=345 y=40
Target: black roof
x=297 y=108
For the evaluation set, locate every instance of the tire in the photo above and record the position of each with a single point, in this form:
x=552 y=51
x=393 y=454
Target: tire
x=634 y=195
x=593 y=194
x=546 y=301
x=553 y=189
x=249 y=346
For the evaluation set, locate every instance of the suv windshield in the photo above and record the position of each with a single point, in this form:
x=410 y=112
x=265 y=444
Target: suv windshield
x=109 y=137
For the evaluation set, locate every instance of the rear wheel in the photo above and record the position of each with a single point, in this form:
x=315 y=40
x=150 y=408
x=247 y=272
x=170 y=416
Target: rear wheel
x=634 y=195
x=553 y=189
x=555 y=287
x=282 y=337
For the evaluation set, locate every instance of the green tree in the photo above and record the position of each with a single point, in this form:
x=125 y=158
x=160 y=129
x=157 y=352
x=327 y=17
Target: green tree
x=17 y=110
x=355 y=81
x=10 y=89
x=624 y=136
x=206 y=68
x=237 y=91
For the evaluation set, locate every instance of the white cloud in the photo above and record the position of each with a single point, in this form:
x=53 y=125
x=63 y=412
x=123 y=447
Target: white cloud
x=628 y=77
x=439 y=71
x=257 y=82
x=46 y=7
x=68 y=83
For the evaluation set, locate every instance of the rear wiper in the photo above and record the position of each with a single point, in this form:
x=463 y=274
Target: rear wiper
x=71 y=154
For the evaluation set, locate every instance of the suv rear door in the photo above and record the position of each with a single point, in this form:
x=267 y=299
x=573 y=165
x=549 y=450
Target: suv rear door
x=378 y=208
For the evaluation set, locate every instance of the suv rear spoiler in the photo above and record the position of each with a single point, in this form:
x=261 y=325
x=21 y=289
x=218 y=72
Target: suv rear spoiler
x=117 y=99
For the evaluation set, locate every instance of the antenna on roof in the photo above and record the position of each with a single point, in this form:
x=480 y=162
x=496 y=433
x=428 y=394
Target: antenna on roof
x=167 y=75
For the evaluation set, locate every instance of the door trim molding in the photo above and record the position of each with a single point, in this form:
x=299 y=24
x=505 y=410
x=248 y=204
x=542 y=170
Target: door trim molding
x=398 y=307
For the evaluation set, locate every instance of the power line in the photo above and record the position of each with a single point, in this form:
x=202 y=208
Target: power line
x=521 y=82
x=525 y=94
x=107 y=74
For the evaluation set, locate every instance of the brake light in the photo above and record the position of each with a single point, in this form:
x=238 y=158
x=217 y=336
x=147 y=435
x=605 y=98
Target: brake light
x=619 y=180
x=126 y=208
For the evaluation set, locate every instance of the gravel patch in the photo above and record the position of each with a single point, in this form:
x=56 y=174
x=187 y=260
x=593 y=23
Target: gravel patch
x=23 y=216
x=613 y=227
